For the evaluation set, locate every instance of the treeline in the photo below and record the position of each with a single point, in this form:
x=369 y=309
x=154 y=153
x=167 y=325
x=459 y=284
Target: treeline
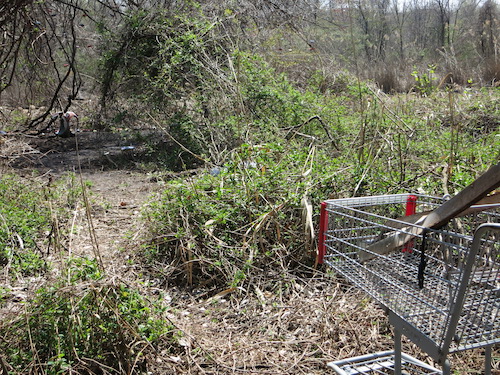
x=388 y=40
x=55 y=52
x=392 y=38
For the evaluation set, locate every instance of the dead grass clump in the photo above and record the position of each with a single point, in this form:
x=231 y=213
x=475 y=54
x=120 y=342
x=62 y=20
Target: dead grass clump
x=14 y=149
x=294 y=327
x=387 y=80
x=491 y=73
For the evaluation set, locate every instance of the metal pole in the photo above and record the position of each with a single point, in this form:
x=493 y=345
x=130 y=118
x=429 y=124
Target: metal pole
x=323 y=225
x=457 y=306
x=487 y=360
x=397 y=352
x=446 y=367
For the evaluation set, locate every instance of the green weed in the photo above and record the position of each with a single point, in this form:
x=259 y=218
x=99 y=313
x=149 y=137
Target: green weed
x=24 y=216
x=84 y=324
x=424 y=82
x=32 y=219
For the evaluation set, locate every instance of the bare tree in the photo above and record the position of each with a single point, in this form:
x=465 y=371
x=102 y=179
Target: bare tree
x=10 y=9
x=420 y=28
x=38 y=63
x=15 y=28
x=488 y=29
x=400 y=11
x=57 y=45
x=373 y=20
x=444 y=20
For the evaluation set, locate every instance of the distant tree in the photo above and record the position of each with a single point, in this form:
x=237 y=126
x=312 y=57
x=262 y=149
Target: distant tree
x=444 y=21
x=372 y=16
x=400 y=10
x=420 y=28
x=488 y=29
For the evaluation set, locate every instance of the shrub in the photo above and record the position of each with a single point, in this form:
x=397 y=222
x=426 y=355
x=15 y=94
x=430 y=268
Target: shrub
x=83 y=326
x=222 y=225
x=424 y=82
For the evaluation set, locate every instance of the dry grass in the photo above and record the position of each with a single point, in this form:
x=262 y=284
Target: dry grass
x=296 y=328
x=13 y=148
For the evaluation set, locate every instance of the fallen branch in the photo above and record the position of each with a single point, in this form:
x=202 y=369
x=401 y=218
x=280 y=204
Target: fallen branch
x=296 y=128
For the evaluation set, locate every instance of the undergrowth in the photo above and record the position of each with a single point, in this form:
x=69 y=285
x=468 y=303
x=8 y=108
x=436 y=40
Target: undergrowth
x=25 y=216
x=235 y=218
x=271 y=151
x=34 y=212
x=79 y=320
x=84 y=323
x=248 y=214
x=266 y=154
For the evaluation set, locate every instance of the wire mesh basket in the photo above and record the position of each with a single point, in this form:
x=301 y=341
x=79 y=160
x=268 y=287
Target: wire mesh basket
x=381 y=363
x=441 y=289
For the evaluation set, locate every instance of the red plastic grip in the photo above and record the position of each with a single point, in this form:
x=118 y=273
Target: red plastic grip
x=323 y=225
x=411 y=208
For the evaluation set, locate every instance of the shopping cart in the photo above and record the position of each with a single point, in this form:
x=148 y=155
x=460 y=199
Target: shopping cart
x=441 y=289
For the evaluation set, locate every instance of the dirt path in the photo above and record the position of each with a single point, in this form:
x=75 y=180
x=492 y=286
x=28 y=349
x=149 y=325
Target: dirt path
x=116 y=190
x=116 y=199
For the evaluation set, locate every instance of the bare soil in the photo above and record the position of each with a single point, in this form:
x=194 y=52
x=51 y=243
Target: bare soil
x=294 y=328
x=88 y=151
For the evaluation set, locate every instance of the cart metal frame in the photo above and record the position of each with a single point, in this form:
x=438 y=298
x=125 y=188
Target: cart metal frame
x=456 y=304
